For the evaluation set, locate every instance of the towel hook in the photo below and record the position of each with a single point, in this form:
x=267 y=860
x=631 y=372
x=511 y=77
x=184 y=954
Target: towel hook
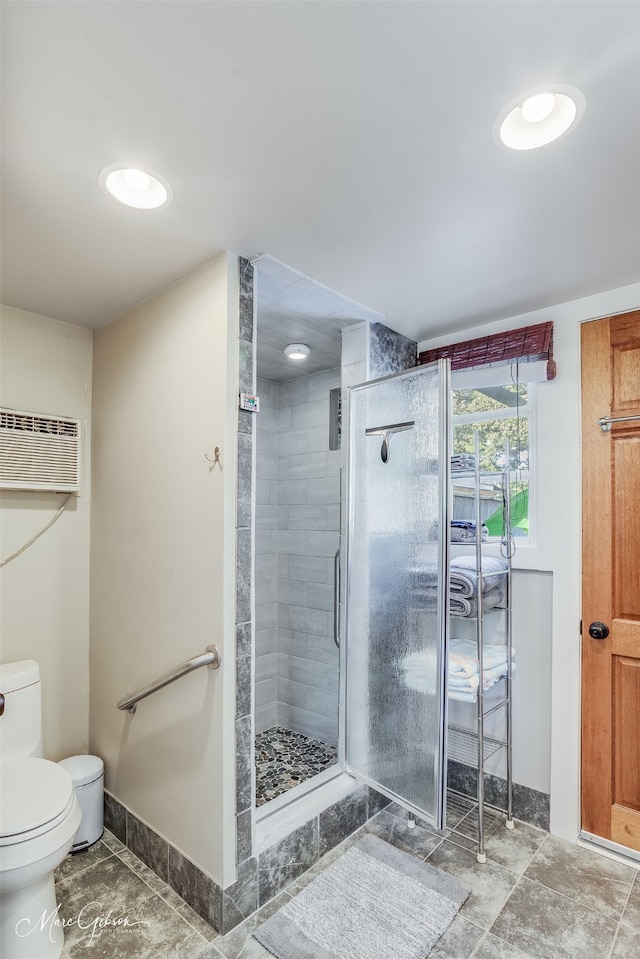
x=216 y=456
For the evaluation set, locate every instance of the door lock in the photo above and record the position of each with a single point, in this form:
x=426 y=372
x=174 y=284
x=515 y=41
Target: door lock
x=598 y=630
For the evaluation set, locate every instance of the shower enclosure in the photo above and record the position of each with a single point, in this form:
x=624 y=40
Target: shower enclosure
x=297 y=514
x=396 y=636
x=376 y=707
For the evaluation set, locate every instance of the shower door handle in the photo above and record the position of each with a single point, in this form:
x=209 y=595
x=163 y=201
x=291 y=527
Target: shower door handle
x=336 y=598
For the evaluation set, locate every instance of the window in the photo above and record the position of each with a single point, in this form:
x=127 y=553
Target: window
x=500 y=411
x=497 y=399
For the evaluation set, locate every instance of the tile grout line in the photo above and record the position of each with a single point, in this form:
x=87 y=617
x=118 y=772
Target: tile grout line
x=79 y=872
x=577 y=902
x=159 y=894
x=620 y=920
x=570 y=898
x=500 y=939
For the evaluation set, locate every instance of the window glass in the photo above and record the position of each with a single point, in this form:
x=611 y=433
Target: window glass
x=500 y=415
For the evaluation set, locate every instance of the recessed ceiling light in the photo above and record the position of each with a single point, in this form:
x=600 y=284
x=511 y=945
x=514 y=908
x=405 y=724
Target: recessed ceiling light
x=135 y=187
x=539 y=118
x=538 y=108
x=297 y=351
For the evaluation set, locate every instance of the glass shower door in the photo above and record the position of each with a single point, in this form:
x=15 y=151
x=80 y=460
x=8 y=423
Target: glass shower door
x=397 y=587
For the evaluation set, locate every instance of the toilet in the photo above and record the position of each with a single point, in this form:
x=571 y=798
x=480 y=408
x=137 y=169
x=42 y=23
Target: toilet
x=39 y=819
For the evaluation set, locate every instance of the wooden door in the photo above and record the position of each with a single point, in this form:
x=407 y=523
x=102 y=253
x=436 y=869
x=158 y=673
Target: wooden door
x=611 y=580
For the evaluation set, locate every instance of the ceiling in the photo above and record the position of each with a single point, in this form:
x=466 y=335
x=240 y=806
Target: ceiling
x=350 y=140
x=291 y=308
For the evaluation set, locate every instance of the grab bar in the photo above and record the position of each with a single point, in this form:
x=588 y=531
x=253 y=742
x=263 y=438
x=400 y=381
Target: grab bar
x=211 y=658
x=336 y=598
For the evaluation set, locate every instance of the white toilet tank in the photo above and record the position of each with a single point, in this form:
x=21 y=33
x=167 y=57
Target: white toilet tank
x=21 y=720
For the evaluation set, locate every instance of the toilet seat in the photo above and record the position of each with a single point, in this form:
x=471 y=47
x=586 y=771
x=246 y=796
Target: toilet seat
x=35 y=796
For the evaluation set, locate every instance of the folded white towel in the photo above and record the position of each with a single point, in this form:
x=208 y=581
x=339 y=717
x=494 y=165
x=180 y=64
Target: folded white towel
x=463 y=654
x=463 y=682
x=463 y=678
x=461 y=665
x=462 y=695
x=491 y=676
x=470 y=694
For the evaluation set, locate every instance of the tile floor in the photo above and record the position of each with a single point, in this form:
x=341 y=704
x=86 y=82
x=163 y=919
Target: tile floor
x=108 y=882
x=537 y=897
x=285 y=759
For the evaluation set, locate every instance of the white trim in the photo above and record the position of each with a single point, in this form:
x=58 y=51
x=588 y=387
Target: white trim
x=613 y=850
x=481 y=376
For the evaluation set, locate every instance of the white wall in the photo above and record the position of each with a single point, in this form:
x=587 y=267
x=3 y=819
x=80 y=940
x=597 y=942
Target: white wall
x=163 y=559
x=44 y=593
x=559 y=522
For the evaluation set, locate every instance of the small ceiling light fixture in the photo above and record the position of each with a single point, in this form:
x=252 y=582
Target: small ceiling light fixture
x=297 y=351
x=135 y=187
x=540 y=118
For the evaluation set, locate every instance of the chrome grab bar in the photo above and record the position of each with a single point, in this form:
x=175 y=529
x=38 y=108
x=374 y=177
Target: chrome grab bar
x=210 y=658
x=336 y=598
x=605 y=421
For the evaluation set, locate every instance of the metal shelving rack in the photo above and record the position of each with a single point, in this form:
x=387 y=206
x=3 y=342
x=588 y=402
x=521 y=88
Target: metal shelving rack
x=475 y=748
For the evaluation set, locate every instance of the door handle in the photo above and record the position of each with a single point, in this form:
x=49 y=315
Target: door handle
x=598 y=630
x=336 y=598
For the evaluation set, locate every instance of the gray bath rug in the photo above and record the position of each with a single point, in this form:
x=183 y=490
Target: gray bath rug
x=374 y=902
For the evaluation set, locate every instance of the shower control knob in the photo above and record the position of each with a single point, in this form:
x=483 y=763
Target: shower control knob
x=598 y=630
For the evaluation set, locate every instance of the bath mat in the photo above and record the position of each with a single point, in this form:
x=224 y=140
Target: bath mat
x=374 y=902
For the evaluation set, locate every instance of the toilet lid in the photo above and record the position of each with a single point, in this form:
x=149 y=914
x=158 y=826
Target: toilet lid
x=32 y=793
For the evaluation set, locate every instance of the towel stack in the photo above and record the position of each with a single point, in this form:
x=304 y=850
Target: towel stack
x=464 y=672
x=463 y=584
x=464 y=531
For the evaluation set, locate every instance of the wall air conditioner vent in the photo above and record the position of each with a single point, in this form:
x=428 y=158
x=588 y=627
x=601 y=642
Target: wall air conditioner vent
x=39 y=452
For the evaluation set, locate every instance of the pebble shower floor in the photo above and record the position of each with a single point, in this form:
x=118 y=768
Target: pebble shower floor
x=285 y=759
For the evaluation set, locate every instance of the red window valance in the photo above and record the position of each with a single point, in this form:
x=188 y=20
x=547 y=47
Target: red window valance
x=524 y=346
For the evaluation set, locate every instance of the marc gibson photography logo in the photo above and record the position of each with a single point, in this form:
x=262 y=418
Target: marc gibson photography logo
x=90 y=918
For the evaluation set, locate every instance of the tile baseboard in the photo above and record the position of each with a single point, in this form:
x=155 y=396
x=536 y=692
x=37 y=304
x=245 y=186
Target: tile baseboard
x=529 y=805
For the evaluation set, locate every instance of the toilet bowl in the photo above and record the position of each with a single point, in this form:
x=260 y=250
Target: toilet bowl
x=39 y=818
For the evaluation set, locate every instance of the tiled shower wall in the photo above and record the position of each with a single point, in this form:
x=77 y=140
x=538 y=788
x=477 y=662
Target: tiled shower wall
x=266 y=561
x=308 y=537
x=297 y=535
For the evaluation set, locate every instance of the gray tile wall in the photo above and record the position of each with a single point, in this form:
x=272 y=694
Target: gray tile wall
x=297 y=534
x=266 y=568
x=244 y=621
x=390 y=352
x=308 y=537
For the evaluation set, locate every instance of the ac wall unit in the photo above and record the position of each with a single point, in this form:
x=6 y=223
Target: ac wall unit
x=39 y=452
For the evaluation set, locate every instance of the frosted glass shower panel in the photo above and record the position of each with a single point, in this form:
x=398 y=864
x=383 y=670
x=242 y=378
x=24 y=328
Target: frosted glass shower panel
x=397 y=564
